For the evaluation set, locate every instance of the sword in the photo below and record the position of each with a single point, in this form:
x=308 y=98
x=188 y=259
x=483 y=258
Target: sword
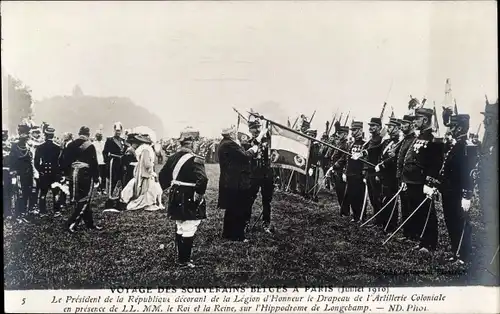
x=364 y=202
x=461 y=238
x=372 y=217
x=426 y=221
x=345 y=193
x=404 y=222
x=392 y=214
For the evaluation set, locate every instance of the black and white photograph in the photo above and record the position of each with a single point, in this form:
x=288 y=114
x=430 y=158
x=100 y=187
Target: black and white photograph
x=249 y=144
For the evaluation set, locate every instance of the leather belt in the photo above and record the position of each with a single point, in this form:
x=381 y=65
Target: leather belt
x=180 y=183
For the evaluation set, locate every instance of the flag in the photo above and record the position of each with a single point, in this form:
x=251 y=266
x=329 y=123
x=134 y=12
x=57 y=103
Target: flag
x=242 y=127
x=289 y=150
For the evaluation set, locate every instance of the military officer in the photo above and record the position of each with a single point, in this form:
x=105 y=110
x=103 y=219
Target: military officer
x=407 y=128
x=6 y=172
x=386 y=171
x=339 y=160
x=36 y=139
x=21 y=162
x=457 y=187
x=420 y=171
x=261 y=176
x=184 y=173
x=81 y=159
x=314 y=163
x=47 y=165
x=113 y=151
x=354 y=172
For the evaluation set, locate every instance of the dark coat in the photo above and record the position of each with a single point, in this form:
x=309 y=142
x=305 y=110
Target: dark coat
x=114 y=146
x=47 y=159
x=180 y=204
x=235 y=171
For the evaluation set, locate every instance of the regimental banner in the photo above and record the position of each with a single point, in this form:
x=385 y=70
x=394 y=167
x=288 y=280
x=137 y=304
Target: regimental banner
x=289 y=150
x=243 y=132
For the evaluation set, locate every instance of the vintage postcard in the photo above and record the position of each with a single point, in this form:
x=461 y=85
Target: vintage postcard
x=250 y=156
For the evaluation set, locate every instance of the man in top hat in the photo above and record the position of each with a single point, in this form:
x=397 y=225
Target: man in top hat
x=235 y=185
x=261 y=175
x=386 y=170
x=372 y=151
x=21 y=162
x=354 y=172
x=47 y=165
x=420 y=171
x=409 y=136
x=457 y=187
x=81 y=160
x=184 y=173
x=113 y=151
x=339 y=161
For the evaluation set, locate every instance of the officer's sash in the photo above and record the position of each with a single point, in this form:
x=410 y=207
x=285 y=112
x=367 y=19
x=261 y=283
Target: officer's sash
x=177 y=169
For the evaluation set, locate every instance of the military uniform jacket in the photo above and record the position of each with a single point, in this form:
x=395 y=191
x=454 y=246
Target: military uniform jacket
x=423 y=160
x=456 y=172
x=114 y=146
x=6 y=148
x=339 y=159
x=372 y=151
x=314 y=155
x=355 y=167
x=406 y=143
x=260 y=164
x=21 y=159
x=190 y=178
x=47 y=159
x=74 y=153
x=388 y=161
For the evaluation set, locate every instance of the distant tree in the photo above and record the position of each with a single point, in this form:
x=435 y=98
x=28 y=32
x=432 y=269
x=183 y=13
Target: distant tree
x=19 y=102
x=77 y=91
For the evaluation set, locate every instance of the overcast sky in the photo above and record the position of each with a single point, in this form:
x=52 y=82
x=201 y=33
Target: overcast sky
x=190 y=62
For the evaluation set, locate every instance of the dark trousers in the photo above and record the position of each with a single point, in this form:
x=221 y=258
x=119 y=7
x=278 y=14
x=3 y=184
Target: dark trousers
x=457 y=223
x=45 y=183
x=375 y=193
x=25 y=199
x=266 y=186
x=405 y=212
x=389 y=217
x=83 y=188
x=340 y=189
x=236 y=217
x=116 y=175
x=355 y=195
x=102 y=175
x=424 y=222
x=7 y=193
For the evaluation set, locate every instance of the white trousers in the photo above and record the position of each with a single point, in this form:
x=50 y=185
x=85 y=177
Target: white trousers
x=187 y=228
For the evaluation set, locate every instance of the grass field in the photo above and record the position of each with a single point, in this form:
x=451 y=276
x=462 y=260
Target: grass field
x=312 y=246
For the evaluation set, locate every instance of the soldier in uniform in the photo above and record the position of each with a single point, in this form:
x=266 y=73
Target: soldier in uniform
x=21 y=162
x=7 y=177
x=339 y=161
x=184 y=173
x=114 y=149
x=261 y=176
x=81 y=160
x=457 y=186
x=354 y=172
x=386 y=171
x=373 y=149
x=420 y=171
x=314 y=162
x=47 y=165
x=407 y=128
x=36 y=139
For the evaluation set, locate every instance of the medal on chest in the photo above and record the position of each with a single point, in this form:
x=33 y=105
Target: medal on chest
x=419 y=144
x=356 y=149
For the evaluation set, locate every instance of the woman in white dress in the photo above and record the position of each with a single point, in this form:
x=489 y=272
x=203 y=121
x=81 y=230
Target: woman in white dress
x=143 y=191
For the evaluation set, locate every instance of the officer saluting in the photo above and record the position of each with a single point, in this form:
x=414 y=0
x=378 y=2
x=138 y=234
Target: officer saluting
x=184 y=173
x=457 y=186
x=420 y=170
x=47 y=165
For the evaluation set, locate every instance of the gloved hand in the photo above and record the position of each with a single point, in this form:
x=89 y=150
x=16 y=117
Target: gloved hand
x=310 y=172
x=97 y=183
x=364 y=180
x=377 y=168
x=356 y=156
x=377 y=179
x=254 y=149
x=344 y=177
x=262 y=133
x=465 y=204
x=429 y=191
x=403 y=186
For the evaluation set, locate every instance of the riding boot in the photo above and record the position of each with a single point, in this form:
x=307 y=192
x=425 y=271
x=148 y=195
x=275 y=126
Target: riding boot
x=180 y=248
x=188 y=247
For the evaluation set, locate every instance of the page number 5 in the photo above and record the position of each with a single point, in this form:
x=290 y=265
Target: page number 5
x=24 y=301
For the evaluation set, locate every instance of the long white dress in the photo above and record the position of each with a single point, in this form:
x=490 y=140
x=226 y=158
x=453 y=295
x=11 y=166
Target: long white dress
x=143 y=191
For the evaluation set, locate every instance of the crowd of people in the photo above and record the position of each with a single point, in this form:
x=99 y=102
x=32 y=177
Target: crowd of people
x=399 y=170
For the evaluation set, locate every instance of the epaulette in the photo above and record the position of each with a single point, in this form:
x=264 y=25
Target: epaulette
x=198 y=159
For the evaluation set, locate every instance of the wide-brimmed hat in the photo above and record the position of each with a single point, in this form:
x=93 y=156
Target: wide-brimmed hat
x=138 y=138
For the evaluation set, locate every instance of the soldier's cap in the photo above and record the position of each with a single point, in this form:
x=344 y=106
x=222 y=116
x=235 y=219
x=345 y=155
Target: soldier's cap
x=459 y=119
x=84 y=130
x=342 y=129
x=23 y=129
x=49 y=130
x=356 y=125
x=375 y=121
x=407 y=119
x=426 y=112
x=394 y=122
x=35 y=129
x=187 y=137
x=490 y=109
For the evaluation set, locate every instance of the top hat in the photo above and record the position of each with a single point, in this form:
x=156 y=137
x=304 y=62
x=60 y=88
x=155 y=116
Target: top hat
x=375 y=121
x=356 y=125
x=426 y=112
